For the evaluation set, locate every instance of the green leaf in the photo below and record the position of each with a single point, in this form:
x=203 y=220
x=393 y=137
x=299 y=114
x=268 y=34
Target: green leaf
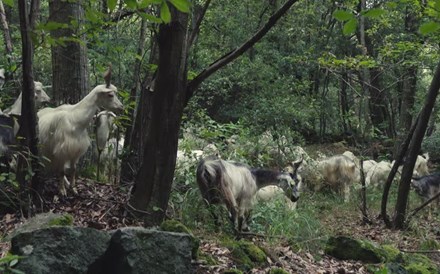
x=374 y=13
x=182 y=5
x=342 y=15
x=9 y=3
x=349 y=27
x=111 y=4
x=150 y=17
x=429 y=27
x=143 y=4
x=165 y=14
x=132 y=4
x=13 y=262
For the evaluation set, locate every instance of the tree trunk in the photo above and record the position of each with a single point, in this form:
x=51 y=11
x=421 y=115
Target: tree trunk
x=135 y=136
x=164 y=109
x=154 y=180
x=414 y=148
x=28 y=120
x=69 y=61
x=6 y=34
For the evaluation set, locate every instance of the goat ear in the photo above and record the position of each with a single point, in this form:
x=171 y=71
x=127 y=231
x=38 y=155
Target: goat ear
x=108 y=76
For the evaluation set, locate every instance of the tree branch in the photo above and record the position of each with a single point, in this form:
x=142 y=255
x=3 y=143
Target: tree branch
x=415 y=211
x=196 y=28
x=229 y=57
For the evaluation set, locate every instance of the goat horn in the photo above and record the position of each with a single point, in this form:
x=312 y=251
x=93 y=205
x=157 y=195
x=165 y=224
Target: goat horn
x=108 y=76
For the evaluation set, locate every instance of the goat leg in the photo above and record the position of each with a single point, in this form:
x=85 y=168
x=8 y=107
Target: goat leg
x=73 y=179
x=62 y=187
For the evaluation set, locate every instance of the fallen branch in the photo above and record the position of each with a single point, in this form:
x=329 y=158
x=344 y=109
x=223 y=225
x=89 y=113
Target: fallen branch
x=415 y=211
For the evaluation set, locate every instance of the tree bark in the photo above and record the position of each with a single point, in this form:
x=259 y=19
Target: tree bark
x=127 y=166
x=28 y=119
x=69 y=60
x=6 y=34
x=153 y=182
x=416 y=142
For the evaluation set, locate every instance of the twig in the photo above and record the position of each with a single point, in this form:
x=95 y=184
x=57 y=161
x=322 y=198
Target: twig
x=105 y=213
x=415 y=211
x=420 y=251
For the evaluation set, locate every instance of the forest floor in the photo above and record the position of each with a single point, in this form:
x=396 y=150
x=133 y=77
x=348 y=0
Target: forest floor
x=103 y=207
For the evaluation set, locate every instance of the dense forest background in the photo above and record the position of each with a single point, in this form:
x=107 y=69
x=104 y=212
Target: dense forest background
x=253 y=78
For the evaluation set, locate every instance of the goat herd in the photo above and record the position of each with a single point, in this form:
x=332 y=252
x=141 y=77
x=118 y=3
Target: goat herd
x=239 y=186
x=63 y=139
x=62 y=131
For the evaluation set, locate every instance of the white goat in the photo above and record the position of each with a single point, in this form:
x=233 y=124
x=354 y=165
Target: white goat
x=421 y=166
x=339 y=172
x=269 y=193
x=15 y=110
x=367 y=165
x=104 y=126
x=40 y=97
x=63 y=130
x=2 y=78
x=378 y=174
x=236 y=185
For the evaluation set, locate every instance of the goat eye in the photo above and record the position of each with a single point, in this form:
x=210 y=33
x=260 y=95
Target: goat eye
x=110 y=94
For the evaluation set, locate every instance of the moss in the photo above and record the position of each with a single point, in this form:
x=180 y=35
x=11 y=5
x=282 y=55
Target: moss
x=210 y=260
x=346 y=248
x=64 y=220
x=278 y=271
x=176 y=226
x=391 y=253
x=246 y=254
x=254 y=252
x=418 y=263
x=418 y=268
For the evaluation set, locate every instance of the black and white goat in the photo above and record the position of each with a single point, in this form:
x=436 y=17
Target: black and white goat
x=63 y=130
x=236 y=185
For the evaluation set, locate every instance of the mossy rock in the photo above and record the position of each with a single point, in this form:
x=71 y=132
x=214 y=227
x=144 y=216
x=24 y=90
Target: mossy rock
x=43 y=220
x=278 y=271
x=176 y=226
x=346 y=248
x=63 y=220
x=392 y=254
x=246 y=254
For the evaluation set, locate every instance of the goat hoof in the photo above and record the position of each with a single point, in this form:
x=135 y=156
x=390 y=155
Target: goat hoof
x=63 y=192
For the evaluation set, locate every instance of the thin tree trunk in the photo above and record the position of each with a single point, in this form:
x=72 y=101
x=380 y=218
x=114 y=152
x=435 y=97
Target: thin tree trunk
x=28 y=119
x=6 y=34
x=416 y=142
x=136 y=80
x=153 y=182
x=135 y=147
x=397 y=163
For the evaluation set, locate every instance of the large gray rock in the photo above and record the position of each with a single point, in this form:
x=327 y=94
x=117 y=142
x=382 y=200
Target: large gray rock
x=61 y=250
x=68 y=250
x=139 y=250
